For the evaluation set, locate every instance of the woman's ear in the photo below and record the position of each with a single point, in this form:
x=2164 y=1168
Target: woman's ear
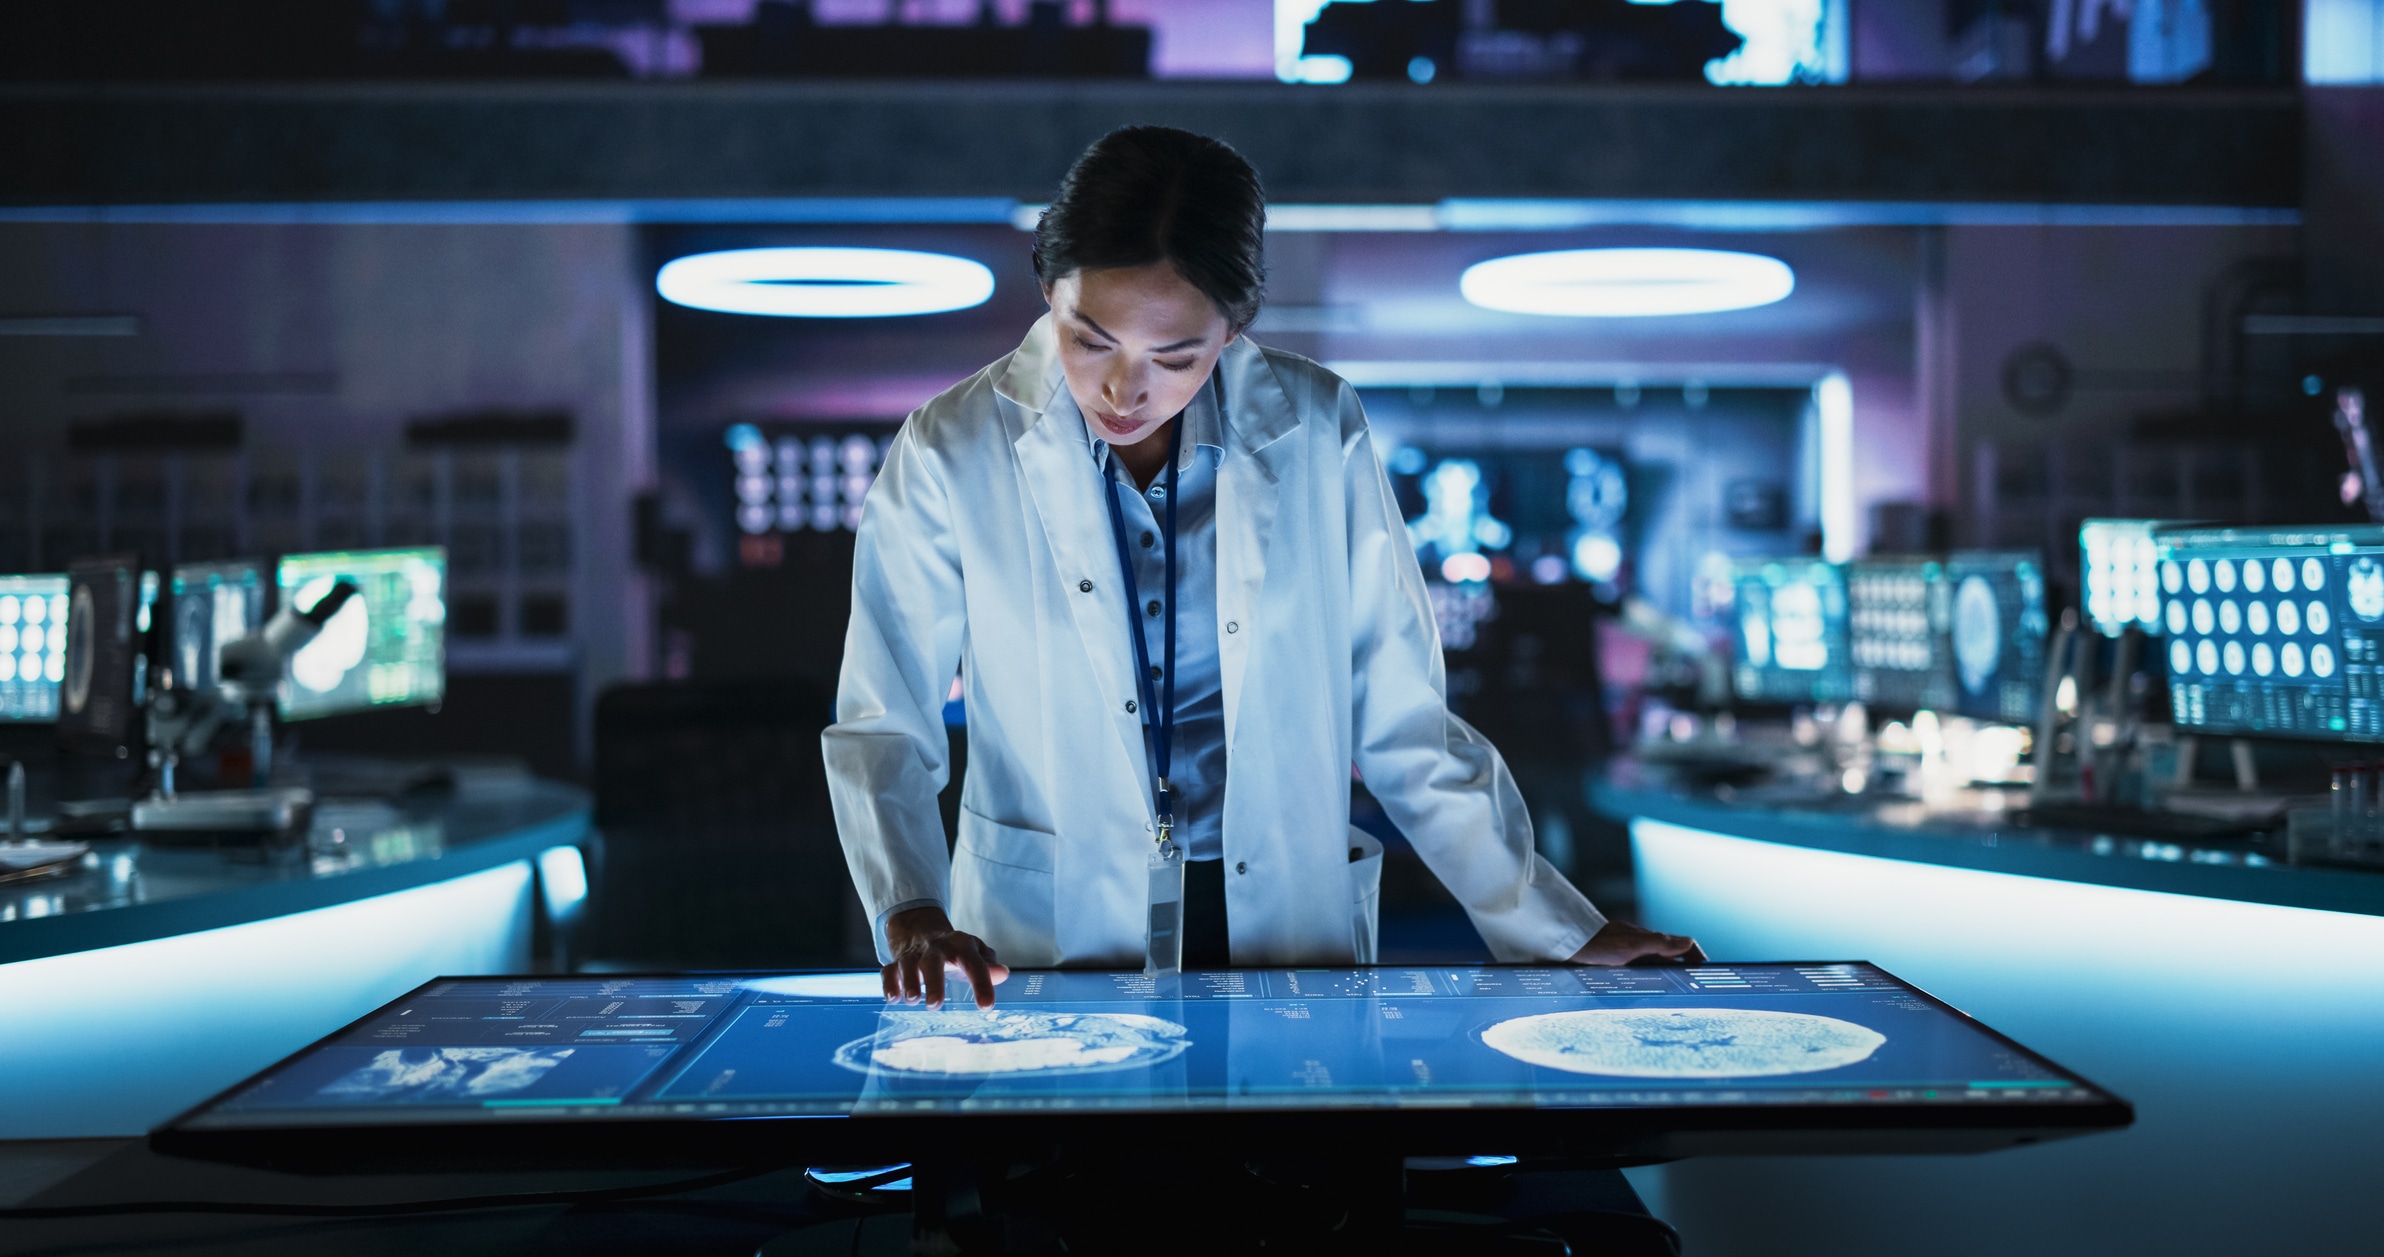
x=1046 y=285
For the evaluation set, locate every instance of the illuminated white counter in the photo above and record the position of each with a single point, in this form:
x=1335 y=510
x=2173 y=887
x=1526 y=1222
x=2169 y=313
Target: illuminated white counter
x=155 y=976
x=2246 y=1023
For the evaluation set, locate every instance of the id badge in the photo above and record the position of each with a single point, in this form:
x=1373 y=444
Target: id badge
x=1163 y=939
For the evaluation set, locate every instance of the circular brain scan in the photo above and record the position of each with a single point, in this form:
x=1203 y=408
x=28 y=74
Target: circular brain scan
x=1683 y=1042
x=1978 y=634
x=2363 y=588
x=962 y=1043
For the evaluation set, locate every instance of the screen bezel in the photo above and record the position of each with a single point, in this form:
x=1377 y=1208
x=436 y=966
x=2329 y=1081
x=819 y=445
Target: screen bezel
x=281 y=706
x=1586 y=1131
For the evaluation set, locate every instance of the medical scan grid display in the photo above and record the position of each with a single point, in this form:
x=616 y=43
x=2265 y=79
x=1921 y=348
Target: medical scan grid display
x=698 y=1047
x=2275 y=630
x=385 y=647
x=2119 y=568
x=1897 y=614
x=1788 y=633
x=33 y=618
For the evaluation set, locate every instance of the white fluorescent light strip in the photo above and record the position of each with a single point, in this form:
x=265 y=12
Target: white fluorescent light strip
x=825 y=283
x=1626 y=283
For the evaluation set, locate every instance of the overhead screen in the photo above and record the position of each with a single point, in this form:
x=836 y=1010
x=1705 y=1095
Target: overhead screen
x=386 y=647
x=725 y=1047
x=2275 y=631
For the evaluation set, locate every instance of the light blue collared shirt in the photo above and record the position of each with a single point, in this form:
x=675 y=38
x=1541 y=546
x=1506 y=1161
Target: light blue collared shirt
x=1197 y=764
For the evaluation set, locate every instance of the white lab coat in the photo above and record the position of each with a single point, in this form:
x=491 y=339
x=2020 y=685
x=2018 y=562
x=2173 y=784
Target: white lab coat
x=985 y=547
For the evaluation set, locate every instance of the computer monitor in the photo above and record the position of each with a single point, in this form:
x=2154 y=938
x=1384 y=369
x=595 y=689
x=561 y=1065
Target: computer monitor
x=385 y=648
x=1399 y=1060
x=1999 y=626
x=212 y=604
x=2119 y=572
x=96 y=711
x=33 y=619
x=2275 y=630
x=1789 y=631
x=1897 y=614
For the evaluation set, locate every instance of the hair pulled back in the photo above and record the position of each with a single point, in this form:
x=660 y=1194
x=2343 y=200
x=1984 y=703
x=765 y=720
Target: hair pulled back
x=1142 y=195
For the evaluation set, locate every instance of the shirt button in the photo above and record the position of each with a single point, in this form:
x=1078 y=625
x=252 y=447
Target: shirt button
x=1147 y=539
x=1154 y=607
x=1155 y=672
x=1241 y=866
x=1233 y=626
x=1084 y=587
x=1159 y=492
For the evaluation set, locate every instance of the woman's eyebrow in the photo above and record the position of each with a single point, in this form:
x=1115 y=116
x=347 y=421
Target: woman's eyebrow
x=1192 y=342
x=1087 y=320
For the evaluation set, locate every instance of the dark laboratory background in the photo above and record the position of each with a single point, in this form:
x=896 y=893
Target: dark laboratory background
x=301 y=277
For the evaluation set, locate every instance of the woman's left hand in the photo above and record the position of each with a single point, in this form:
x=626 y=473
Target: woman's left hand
x=1621 y=943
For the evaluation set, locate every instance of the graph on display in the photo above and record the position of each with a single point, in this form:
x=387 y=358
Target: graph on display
x=1789 y=638
x=1999 y=626
x=1897 y=616
x=2275 y=631
x=33 y=619
x=385 y=647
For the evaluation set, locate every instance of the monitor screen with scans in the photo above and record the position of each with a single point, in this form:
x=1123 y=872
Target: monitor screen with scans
x=581 y=1053
x=1897 y=610
x=385 y=648
x=2119 y=568
x=96 y=712
x=1999 y=626
x=1788 y=636
x=2275 y=630
x=33 y=618
x=213 y=605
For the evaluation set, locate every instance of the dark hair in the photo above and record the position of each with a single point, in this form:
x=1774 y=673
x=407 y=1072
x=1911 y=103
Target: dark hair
x=1141 y=195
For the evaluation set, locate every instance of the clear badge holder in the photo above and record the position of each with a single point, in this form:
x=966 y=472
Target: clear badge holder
x=1163 y=940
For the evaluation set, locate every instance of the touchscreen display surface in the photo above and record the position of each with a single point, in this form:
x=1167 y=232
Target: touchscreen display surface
x=736 y=1046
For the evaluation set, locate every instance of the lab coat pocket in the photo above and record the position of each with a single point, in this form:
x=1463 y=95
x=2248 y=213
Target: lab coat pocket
x=1365 y=883
x=1002 y=889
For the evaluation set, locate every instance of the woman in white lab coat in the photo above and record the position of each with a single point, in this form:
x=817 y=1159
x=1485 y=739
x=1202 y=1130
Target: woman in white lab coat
x=1030 y=524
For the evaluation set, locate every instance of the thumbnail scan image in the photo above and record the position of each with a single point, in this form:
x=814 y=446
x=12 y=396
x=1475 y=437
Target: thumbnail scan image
x=1683 y=1043
x=444 y=1075
x=964 y=1043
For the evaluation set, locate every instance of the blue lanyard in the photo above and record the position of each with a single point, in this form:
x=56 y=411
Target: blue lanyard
x=1159 y=731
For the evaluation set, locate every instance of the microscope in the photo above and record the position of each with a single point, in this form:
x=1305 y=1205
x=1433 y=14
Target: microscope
x=186 y=721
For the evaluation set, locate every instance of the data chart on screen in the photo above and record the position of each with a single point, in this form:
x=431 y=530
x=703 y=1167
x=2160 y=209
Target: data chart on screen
x=384 y=647
x=729 y=1046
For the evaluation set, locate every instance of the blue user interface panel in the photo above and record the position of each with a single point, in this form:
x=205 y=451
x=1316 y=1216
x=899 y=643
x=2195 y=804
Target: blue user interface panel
x=2275 y=630
x=1999 y=626
x=1789 y=632
x=729 y=1046
x=32 y=646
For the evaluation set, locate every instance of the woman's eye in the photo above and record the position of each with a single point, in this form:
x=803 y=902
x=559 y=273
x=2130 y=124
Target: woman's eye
x=1089 y=346
x=1185 y=365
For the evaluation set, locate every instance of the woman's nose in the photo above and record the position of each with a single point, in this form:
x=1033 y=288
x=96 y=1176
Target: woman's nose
x=1125 y=392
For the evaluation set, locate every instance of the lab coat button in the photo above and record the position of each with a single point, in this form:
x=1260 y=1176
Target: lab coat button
x=1084 y=587
x=1129 y=705
x=1233 y=626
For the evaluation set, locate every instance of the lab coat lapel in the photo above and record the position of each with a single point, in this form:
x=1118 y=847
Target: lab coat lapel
x=1061 y=481
x=1249 y=483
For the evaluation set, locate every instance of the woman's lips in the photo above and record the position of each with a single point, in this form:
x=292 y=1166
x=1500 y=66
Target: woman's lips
x=1121 y=427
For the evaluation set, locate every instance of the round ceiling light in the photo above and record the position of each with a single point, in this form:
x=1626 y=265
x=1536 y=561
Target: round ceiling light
x=1627 y=283
x=824 y=283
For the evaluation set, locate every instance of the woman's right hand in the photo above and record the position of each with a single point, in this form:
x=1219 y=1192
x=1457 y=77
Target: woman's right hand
x=924 y=945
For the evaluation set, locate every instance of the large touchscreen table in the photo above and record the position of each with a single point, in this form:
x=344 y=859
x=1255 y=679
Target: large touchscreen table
x=1779 y=1046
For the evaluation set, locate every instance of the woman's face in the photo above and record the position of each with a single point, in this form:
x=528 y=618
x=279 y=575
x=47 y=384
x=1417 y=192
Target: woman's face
x=1136 y=342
